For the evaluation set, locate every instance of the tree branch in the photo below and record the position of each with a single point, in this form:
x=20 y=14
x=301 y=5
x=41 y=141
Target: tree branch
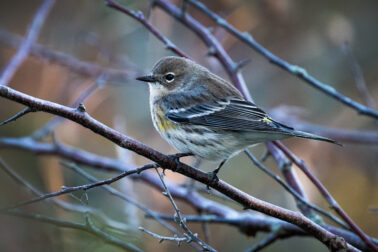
x=141 y=19
x=295 y=70
x=249 y=202
x=32 y=35
x=87 y=227
x=212 y=43
x=84 y=188
x=333 y=203
x=72 y=63
x=248 y=223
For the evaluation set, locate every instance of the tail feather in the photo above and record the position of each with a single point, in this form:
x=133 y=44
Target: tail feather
x=313 y=136
x=297 y=133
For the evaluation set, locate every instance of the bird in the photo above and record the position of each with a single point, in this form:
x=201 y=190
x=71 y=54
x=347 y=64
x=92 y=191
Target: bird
x=201 y=114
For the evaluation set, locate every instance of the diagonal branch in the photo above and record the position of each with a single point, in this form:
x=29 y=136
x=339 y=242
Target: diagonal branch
x=87 y=227
x=212 y=43
x=295 y=194
x=179 y=218
x=333 y=203
x=81 y=117
x=248 y=223
x=16 y=116
x=141 y=19
x=72 y=63
x=85 y=187
x=32 y=35
x=293 y=69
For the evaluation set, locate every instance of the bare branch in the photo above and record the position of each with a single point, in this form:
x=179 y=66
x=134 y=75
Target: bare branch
x=212 y=43
x=16 y=116
x=269 y=239
x=248 y=223
x=141 y=19
x=166 y=162
x=333 y=203
x=293 y=69
x=251 y=224
x=186 y=239
x=179 y=218
x=293 y=192
x=31 y=37
x=87 y=227
x=287 y=115
x=51 y=125
x=84 y=188
x=72 y=63
x=358 y=76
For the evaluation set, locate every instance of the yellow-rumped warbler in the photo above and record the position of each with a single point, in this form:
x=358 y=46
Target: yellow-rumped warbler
x=199 y=113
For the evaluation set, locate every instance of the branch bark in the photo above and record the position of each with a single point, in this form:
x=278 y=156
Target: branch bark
x=81 y=117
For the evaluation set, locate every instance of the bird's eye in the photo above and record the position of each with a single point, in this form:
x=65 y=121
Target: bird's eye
x=169 y=77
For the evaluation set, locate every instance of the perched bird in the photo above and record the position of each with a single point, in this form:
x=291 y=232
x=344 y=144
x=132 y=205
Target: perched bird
x=201 y=114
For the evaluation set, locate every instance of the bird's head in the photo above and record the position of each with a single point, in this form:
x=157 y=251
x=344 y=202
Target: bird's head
x=172 y=74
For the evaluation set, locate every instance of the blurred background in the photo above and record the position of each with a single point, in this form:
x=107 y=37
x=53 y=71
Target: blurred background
x=312 y=34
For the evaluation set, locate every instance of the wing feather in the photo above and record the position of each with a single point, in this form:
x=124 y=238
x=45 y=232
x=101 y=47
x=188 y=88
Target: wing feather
x=232 y=114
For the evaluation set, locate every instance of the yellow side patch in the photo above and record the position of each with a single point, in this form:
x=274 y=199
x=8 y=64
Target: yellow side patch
x=267 y=120
x=163 y=123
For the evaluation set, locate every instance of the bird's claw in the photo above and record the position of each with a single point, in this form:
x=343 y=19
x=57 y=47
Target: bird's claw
x=176 y=157
x=213 y=178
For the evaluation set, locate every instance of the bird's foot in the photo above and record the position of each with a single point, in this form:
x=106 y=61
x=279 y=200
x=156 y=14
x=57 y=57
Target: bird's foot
x=176 y=157
x=213 y=177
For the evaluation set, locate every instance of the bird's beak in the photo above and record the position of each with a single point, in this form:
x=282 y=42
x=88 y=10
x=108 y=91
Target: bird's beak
x=147 y=78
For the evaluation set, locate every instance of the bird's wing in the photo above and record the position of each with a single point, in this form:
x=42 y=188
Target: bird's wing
x=230 y=114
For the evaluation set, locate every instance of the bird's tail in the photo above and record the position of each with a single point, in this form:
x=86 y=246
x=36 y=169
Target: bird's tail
x=297 y=133
x=302 y=134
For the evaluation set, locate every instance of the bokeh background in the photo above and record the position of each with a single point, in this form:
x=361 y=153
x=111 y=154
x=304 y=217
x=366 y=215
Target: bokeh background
x=311 y=34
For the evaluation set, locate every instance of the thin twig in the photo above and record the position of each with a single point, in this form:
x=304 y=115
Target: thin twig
x=224 y=58
x=52 y=124
x=358 y=76
x=32 y=35
x=179 y=240
x=333 y=203
x=293 y=192
x=62 y=204
x=215 y=48
x=287 y=115
x=141 y=19
x=83 y=118
x=83 y=188
x=16 y=116
x=75 y=65
x=179 y=218
x=87 y=227
x=248 y=223
x=269 y=239
x=120 y=195
x=293 y=69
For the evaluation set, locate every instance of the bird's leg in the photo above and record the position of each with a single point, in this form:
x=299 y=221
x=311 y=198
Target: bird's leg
x=176 y=157
x=213 y=174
